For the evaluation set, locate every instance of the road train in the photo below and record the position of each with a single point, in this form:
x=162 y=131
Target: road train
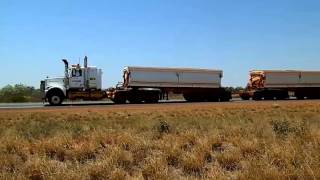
x=151 y=84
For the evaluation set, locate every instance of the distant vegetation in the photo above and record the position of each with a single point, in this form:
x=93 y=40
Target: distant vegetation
x=19 y=93
x=235 y=90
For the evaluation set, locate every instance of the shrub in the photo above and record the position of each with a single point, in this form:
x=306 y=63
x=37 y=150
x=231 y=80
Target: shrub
x=20 y=93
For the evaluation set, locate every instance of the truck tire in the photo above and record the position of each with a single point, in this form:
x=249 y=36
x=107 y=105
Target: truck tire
x=134 y=100
x=245 y=95
x=55 y=99
x=156 y=97
x=153 y=98
x=144 y=95
x=151 y=101
x=193 y=98
x=119 y=96
x=119 y=101
x=224 y=99
x=268 y=98
x=225 y=95
x=213 y=99
x=245 y=98
x=300 y=97
x=312 y=96
x=282 y=95
x=268 y=95
x=257 y=96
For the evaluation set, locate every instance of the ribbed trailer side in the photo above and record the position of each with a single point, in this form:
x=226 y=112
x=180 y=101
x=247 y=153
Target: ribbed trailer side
x=173 y=77
x=310 y=78
x=277 y=84
x=288 y=79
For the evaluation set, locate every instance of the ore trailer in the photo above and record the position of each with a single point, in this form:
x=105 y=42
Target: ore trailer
x=150 y=84
x=282 y=84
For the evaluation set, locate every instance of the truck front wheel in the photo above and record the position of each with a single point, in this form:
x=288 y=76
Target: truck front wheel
x=55 y=99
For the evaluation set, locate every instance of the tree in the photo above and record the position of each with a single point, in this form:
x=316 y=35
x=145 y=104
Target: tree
x=19 y=93
x=235 y=90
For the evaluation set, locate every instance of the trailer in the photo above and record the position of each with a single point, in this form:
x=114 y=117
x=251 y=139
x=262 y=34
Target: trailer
x=151 y=84
x=282 y=84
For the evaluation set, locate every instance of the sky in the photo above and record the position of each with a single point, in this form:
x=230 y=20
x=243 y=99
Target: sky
x=232 y=35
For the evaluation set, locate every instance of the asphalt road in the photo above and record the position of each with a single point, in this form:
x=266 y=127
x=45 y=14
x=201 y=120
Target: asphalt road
x=111 y=104
x=66 y=104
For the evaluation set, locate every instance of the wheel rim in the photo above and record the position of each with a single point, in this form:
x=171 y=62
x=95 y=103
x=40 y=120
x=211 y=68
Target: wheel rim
x=55 y=99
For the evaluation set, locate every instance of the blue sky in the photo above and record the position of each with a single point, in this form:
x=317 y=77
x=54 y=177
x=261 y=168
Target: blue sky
x=233 y=35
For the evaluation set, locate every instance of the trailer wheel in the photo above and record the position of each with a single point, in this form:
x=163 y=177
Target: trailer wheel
x=193 y=98
x=225 y=96
x=300 y=97
x=134 y=100
x=152 y=100
x=257 y=96
x=282 y=95
x=224 y=99
x=269 y=96
x=280 y=98
x=152 y=97
x=245 y=98
x=187 y=97
x=213 y=99
x=313 y=97
x=119 y=100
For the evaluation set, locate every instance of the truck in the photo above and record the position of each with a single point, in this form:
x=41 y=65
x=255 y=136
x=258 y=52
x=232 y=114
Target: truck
x=151 y=84
x=79 y=82
x=282 y=84
x=140 y=85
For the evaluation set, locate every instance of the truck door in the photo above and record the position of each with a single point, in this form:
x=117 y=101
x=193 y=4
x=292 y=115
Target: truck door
x=76 y=80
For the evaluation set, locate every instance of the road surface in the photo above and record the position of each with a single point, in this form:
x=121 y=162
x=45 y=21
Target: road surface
x=109 y=104
x=66 y=104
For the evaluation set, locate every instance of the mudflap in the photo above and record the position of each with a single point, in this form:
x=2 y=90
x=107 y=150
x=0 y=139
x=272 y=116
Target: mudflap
x=225 y=95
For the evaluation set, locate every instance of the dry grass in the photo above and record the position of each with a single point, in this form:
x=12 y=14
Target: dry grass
x=237 y=142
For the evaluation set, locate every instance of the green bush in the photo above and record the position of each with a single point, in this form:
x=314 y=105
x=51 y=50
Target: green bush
x=19 y=93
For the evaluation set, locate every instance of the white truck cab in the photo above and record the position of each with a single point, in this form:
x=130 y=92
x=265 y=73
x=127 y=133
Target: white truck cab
x=78 y=82
x=76 y=78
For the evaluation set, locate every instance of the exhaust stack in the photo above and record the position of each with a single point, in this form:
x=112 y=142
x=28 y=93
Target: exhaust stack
x=66 y=67
x=85 y=64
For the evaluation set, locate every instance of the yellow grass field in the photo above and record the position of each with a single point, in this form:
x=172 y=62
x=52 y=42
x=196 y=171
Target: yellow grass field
x=197 y=141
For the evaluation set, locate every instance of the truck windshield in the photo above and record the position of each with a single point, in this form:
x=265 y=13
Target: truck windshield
x=76 y=73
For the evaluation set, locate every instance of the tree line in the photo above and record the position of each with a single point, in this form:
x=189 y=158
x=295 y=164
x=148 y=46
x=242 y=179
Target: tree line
x=20 y=93
x=235 y=90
